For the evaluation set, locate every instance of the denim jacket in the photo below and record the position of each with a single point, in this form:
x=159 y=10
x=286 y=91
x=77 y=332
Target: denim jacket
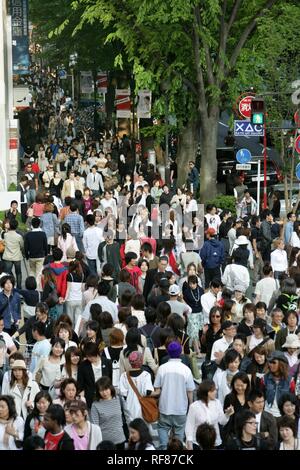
x=11 y=312
x=277 y=389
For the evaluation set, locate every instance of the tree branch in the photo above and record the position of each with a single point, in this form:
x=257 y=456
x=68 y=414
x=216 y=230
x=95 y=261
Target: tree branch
x=199 y=74
x=185 y=80
x=247 y=31
x=235 y=8
x=222 y=44
x=210 y=74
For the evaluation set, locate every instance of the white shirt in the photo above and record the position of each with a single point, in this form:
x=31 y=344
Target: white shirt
x=200 y=413
x=97 y=369
x=236 y=274
x=221 y=345
x=295 y=240
x=191 y=206
x=106 y=304
x=258 y=420
x=92 y=237
x=208 y=301
x=174 y=375
x=213 y=221
x=279 y=261
x=72 y=188
x=133 y=246
x=254 y=342
x=265 y=289
x=109 y=203
x=18 y=424
x=139 y=183
x=222 y=386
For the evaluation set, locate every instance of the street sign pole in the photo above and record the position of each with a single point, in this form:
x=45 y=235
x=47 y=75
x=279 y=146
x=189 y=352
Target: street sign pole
x=258 y=187
x=265 y=163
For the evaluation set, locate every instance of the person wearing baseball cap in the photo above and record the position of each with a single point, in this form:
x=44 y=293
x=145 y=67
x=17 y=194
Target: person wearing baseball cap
x=277 y=382
x=212 y=256
x=181 y=308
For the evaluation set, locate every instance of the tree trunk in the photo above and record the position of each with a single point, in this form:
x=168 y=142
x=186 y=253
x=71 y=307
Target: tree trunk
x=208 y=173
x=187 y=150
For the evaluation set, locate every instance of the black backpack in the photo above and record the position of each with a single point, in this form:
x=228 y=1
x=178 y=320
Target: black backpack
x=149 y=339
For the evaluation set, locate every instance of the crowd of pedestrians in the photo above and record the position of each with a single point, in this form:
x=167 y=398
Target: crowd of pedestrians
x=145 y=325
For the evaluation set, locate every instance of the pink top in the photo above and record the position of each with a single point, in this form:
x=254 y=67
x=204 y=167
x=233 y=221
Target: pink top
x=38 y=209
x=80 y=442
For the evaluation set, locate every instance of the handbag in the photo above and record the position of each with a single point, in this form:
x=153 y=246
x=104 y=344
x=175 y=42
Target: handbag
x=2 y=246
x=55 y=233
x=148 y=404
x=115 y=368
x=38 y=376
x=52 y=298
x=194 y=366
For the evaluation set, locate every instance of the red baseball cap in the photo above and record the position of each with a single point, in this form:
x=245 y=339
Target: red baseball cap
x=211 y=231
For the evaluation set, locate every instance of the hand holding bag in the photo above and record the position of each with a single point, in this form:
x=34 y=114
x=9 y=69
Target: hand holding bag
x=148 y=404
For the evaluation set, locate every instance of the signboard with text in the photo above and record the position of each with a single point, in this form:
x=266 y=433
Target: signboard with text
x=20 y=36
x=245 y=107
x=123 y=103
x=247 y=129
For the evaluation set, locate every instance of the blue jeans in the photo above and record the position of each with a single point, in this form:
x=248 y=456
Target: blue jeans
x=78 y=239
x=168 y=422
x=92 y=266
x=8 y=268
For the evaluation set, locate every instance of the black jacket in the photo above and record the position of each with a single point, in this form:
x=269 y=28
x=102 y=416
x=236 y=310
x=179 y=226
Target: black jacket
x=269 y=424
x=112 y=253
x=35 y=244
x=149 y=282
x=86 y=378
x=27 y=329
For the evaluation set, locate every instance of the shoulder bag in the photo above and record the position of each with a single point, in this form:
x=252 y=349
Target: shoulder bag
x=148 y=404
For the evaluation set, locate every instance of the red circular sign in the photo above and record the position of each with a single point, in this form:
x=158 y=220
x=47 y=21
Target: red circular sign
x=297 y=144
x=297 y=118
x=245 y=107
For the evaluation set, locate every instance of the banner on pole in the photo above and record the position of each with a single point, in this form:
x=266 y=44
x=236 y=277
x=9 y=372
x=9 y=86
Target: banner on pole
x=102 y=82
x=144 y=104
x=123 y=103
x=20 y=37
x=86 y=82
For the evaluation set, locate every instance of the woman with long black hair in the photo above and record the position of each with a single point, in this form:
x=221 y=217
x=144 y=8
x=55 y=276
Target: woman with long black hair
x=139 y=436
x=34 y=421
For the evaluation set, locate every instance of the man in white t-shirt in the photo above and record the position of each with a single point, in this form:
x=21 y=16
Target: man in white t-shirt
x=221 y=345
x=266 y=287
x=212 y=218
x=209 y=299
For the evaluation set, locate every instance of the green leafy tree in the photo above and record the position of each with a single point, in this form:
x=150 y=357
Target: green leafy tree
x=271 y=63
x=194 y=45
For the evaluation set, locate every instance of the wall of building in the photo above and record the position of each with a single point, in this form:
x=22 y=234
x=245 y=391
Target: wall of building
x=6 y=110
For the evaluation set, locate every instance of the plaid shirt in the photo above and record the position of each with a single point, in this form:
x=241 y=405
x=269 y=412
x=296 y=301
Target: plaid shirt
x=76 y=223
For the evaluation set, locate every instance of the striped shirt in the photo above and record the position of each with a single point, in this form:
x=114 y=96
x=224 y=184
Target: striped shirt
x=107 y=414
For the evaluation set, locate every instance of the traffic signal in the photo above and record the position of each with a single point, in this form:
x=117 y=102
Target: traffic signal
x=257 y=111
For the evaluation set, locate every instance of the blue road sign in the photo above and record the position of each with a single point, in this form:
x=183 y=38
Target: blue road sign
x=243 y=156
x=247 y=129
x=298 y=171
x=62 y=74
